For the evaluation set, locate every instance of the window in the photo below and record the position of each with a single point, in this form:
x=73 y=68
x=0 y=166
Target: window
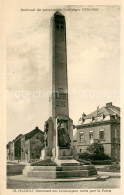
x=91 y=134
x=101 y=134
x=81 y=136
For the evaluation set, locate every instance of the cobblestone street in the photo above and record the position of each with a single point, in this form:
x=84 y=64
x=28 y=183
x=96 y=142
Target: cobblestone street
x=111 y=183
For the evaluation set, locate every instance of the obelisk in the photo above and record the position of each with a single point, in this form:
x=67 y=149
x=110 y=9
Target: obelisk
x=58 y=131
x=59 y=127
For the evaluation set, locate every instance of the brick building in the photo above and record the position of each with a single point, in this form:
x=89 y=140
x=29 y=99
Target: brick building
x=8 y=151
x=14 y=149
x=31 y=145
x=104 y=125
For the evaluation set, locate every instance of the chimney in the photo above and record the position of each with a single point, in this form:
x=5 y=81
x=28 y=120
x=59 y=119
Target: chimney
x=109 y=104
x=83 y=115
x=97 y=110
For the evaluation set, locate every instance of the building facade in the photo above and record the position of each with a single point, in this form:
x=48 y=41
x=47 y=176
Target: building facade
x=14 y=149
x=10 y=151
x=31 y=145
x=103 y=125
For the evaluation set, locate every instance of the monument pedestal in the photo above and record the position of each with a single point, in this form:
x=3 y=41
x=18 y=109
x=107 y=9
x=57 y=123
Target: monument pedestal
x=66 y=171
x=46 y=154
x=58 y=139
x=64 y=157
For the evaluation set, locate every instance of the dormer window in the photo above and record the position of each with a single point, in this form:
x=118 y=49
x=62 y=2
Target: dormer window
x=103 y=116
x=92 y=118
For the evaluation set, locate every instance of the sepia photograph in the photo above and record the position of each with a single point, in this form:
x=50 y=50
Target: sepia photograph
x=63 y=110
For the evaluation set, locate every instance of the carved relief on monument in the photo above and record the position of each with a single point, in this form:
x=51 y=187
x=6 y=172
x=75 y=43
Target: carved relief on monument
x=46 y=134
x=64 y=140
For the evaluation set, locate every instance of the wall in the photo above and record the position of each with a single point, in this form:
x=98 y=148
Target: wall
x=25 y=149
x=96 y=129
x=115 y=134
x=11 y=155
x=15 y=169
x=28 y=146
x=18 y=149
x=22 y=148
x=36 y=144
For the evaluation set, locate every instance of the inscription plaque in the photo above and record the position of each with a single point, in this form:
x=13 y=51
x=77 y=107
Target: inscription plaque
x=62 y=96
x=61 y=103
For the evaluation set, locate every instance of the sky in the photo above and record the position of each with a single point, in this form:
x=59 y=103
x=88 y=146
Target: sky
x=93 y=62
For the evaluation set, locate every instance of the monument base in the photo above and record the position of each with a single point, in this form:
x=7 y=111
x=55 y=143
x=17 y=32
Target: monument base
x=63 y=156
x=46 y=154
x=66 y=162
x=52 y=172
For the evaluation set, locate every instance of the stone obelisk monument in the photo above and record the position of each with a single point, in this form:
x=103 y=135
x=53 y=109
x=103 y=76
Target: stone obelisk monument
x=59 y=127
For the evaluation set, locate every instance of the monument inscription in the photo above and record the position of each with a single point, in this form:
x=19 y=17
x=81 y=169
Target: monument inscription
x=61 y=103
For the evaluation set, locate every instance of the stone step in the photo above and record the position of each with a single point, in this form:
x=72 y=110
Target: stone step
x=58 y=168
x=65 y=157
x=41 y=174
x=69 y=164
x=68 y=168
x=40 y=168
x=66 y=162
x=60 y=174
x=74 y=173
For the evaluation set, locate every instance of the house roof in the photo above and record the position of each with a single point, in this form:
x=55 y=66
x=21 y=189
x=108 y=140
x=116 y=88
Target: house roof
x=14 y=140
x=32 y=133
x=7 y=146
x=108 y=110
x=18 y=137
